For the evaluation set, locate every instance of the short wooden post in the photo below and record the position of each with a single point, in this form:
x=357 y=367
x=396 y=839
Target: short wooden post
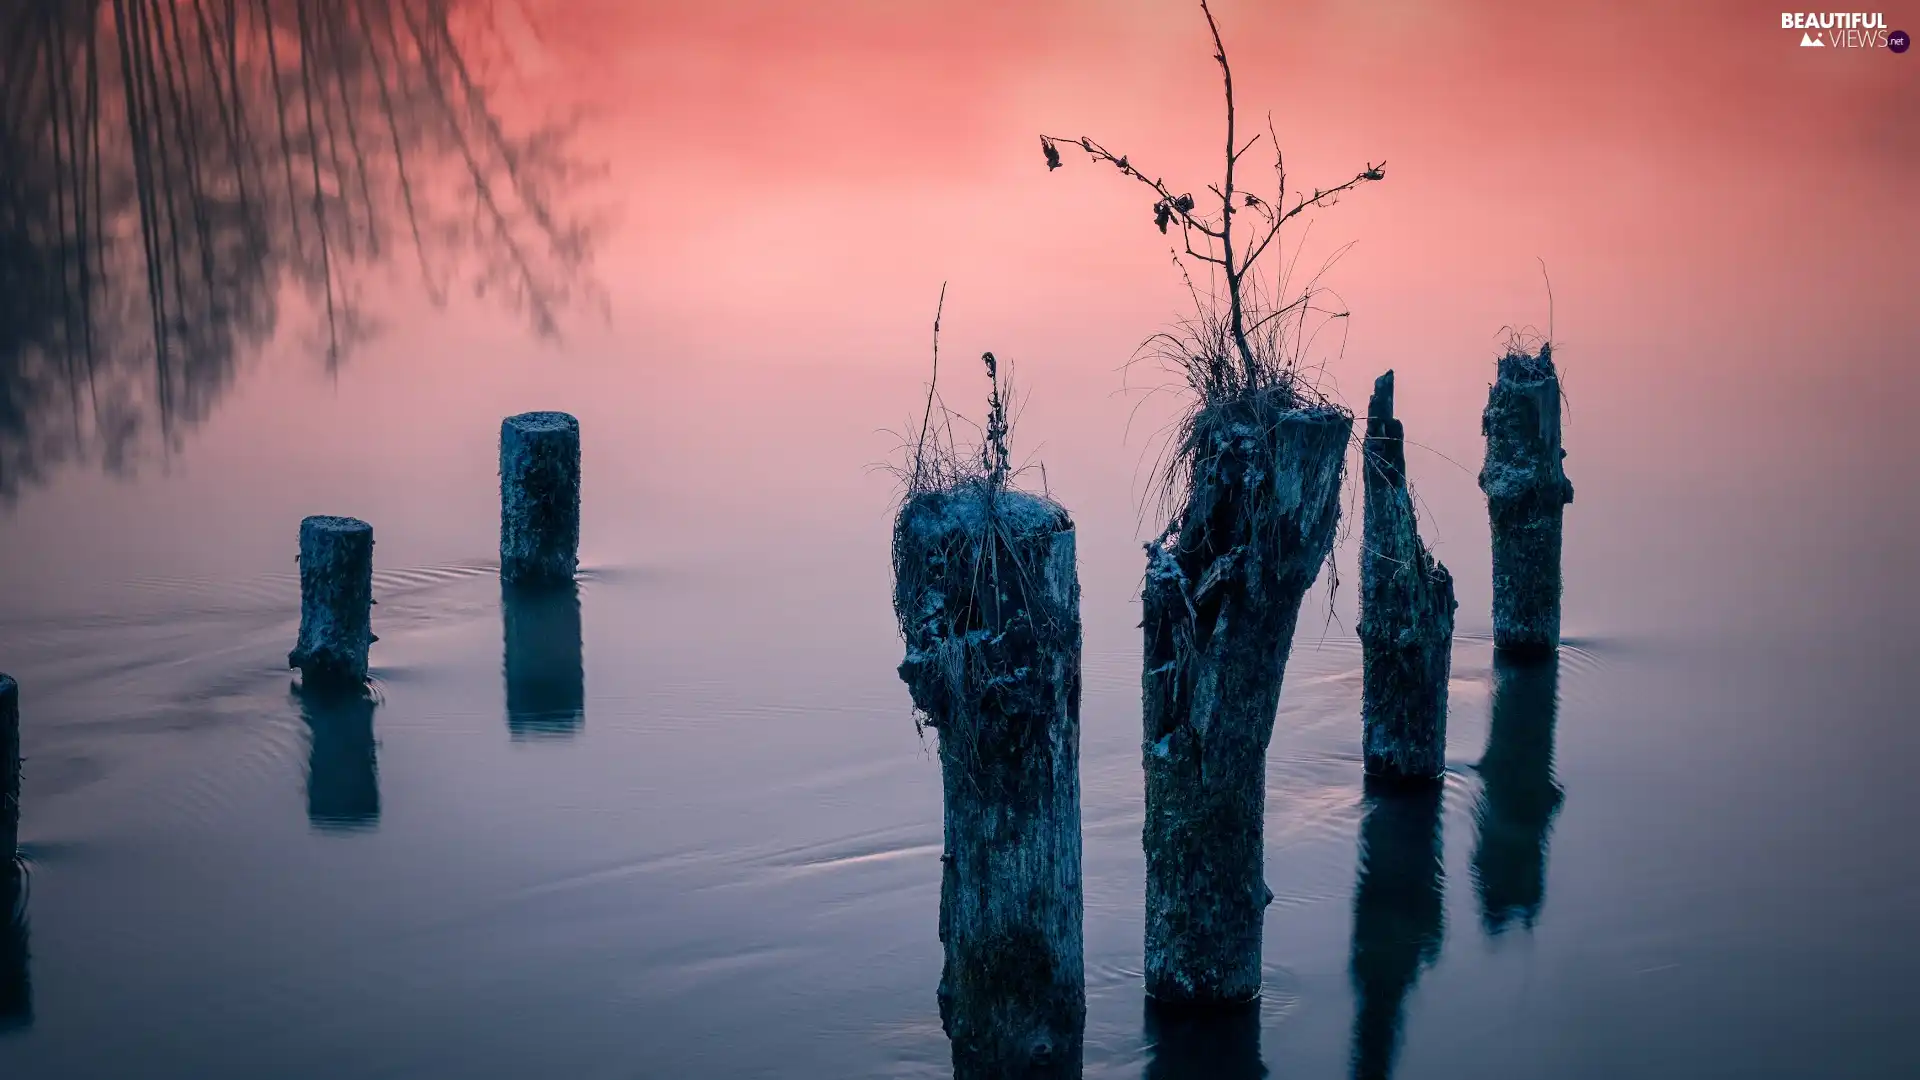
x=539 y=497
x=336 y=602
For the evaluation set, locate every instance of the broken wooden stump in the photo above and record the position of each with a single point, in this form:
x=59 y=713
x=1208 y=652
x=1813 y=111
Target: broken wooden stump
x=1527 y=493
x=1222 y=594
x=1406 y=614
x=9 y=772
x=336 y=602
x=988 y=600
x=539 y=498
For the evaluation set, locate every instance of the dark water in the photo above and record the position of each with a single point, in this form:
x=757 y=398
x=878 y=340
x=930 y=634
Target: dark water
x=679 y=823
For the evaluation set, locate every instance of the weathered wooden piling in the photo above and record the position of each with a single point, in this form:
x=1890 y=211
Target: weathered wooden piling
x=1398 y=917
x=546 y=680
x=336 y=602
x=1527 y=490
x=9 y=771
x=343 y=771
x=539 y=498
x=1221 y=598
x=1519 y=796
x=1406 y=613
x=988 y=600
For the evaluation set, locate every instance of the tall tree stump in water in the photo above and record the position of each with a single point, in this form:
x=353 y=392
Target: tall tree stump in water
x=988 y=599
x=336 y=603
x=1527 y=493
x=9 y=772
x=1222 y=594
x=1406 y=614
x=539 y=498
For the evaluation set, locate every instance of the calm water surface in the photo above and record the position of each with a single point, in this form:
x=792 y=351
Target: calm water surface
x=680 y=823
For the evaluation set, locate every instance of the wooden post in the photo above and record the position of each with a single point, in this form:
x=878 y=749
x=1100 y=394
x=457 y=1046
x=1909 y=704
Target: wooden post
x=1222 y=594
x=539 y=498
x=988 y=599
x=336 y=603
x=546 y=680
x=1527 y=495
x=1406 y=614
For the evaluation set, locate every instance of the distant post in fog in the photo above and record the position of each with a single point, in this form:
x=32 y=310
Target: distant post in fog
x=539 y=498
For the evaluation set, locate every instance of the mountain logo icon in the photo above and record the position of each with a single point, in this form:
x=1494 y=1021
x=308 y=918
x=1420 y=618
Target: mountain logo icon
x=1809 y=41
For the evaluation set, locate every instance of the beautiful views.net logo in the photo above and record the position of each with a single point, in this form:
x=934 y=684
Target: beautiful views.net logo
x=1844 y=30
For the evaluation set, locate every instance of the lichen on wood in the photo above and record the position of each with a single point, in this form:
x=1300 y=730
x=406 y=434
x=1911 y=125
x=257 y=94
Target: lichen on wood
x=539 y=498
x=1527 y=491
x=1406 y=613
x=336 y=598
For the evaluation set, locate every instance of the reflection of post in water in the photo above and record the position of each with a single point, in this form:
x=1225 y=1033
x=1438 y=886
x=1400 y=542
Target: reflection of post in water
x=16 y=991
x=169 y=167
x=1518 y=794
x=546 y=681
x=343 y=777
x=1204 y=1044
x=1398 y=909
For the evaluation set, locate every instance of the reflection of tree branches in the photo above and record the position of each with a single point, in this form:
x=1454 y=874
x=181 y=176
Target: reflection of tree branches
x=377 y=110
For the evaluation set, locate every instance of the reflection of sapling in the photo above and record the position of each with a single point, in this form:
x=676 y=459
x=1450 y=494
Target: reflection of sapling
x=988 y=601
x=1252 y=485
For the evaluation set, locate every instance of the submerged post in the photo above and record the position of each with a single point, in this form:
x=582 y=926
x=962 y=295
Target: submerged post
x=9 y=772
x=336 y=602
x=539 y=497
x=1222 y=594
x=1406 y=614
x=988 y=600
x=1527 y=493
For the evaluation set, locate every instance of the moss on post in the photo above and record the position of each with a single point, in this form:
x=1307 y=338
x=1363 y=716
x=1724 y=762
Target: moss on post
x=1406 y=614
x=539 y=498
x=1527 y=494
x=1222 y=594
x=336 y=598
x=988 y=600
